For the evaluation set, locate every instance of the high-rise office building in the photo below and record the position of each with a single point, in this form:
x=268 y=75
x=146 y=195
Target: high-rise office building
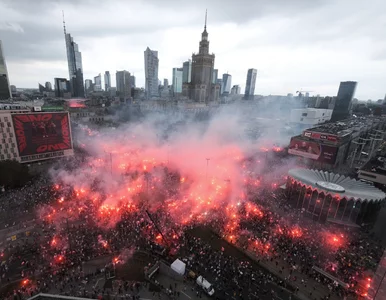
x=250 y=84
x=151 y=73
x=48 y=86
x=107 y=80
x=123 y=79
x=201 y=87
x=226 y=84
x=235 y=90
x=132 y=81
x=5 y=89
x=13 y=89
x=215 y=76
x=98 y=83
x=177 y=80
x=187 y=71
x=88 y=85
x=166 y=83
x=220 y=83
x=343 y=103
x=75 y=68
x=62 y=87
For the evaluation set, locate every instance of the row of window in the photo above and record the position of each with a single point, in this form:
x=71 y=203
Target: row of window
x=8 y=156
x=2 y=124
x=6 y=146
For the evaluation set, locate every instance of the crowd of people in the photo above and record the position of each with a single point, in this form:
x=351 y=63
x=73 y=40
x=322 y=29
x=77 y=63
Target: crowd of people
x=68 y=233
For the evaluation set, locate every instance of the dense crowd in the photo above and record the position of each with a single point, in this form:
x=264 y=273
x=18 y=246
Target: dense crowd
x=68 y=234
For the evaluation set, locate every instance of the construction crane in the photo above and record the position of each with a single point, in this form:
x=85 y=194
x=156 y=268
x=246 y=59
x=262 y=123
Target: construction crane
x=301 y=93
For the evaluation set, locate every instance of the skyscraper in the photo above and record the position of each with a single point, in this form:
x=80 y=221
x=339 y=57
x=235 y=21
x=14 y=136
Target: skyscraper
x=123 y=79
x=107 y=81
x=215 y=75
x=250 y=84
x=166 y=83
x=75 y=69
x=98 y=83
x=5 y=90
x=88 y=85
x=187 y=71
x=132 y=81
x=48 y=86
x=151 y=73
x=343 y=103
x=62 y=87
x=235 y=90
x=177 y=80
x=226 y=84
x=201 y=87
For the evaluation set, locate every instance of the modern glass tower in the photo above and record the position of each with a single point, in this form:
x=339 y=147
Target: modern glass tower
x=177 y=80
x=75 y=69
x=343 y=104
x=250 y=84
x=151 y=73
x=5 y=90
x=107 y=80
x=187 y=71
x=226 y=82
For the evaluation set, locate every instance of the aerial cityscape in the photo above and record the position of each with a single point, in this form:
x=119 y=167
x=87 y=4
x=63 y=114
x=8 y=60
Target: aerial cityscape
x=171 y=179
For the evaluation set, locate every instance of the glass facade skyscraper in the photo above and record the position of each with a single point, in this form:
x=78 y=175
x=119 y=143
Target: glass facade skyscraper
x=226 y=82
x=5 y=90
x=107 y=81
x=250 y=84
x=187 y=71
x=151 y=73
x=75 y=68
x=177 y=80
x=343 y=103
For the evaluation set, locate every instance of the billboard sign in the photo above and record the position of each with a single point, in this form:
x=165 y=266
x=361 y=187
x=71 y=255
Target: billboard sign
x=313 y=150
x=321 y=136
x=42 y=135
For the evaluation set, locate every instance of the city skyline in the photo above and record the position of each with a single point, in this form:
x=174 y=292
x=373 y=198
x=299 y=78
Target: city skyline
x=288 y=55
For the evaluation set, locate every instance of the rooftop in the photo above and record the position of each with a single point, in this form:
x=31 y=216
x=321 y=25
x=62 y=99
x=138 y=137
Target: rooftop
x=345 y=127
x=336 y=184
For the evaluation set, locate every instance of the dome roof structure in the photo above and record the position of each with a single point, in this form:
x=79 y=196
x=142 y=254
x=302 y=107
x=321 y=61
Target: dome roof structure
x=336 y=184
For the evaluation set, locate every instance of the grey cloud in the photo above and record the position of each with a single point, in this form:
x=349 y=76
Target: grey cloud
x=7 y=26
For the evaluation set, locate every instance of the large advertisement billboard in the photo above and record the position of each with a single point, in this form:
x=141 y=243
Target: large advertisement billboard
x=313 y=150
x=42 y=135
x=321 y=136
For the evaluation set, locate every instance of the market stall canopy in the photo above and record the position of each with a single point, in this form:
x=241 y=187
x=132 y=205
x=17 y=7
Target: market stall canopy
x=178 y=266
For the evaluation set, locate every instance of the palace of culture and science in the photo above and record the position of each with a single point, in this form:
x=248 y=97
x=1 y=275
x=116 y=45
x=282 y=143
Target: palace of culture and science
x=201 y=88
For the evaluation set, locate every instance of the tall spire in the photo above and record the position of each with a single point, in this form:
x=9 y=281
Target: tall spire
x=64 y=23
x=206 y=15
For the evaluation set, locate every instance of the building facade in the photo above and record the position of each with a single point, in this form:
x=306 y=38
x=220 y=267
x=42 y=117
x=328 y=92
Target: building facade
x=151 y=73
x=98 y=83
x=235 y=90
x=250 y=84
x=5 y=89
x=48 y=86
x=132 y=81
x=27 y=136
x=107 y=80
x=177 y=80
x=201 y=88
x=343 y=109
x=226 y=84
x=166 y=83
x=123 y=79
x=75 y=68
x=187 y=71
x=62 y=88
x=215 y=76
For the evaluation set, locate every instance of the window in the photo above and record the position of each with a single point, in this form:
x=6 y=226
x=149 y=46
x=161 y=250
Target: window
x=9 y=156
x=301 y=119
x=304 y=114
x=6 y=119
x=2 y=156
x=8 y=130
x=9 y=124
x=3 y=141
x=9 y=140
x=11 y=134
x=4 y=135
x=13 y=145
x=2 y=124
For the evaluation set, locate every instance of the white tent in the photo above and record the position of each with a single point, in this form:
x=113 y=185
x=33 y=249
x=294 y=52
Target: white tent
x=178 y=266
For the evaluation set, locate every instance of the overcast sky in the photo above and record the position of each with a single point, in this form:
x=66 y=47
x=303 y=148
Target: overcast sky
x=298 y=44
